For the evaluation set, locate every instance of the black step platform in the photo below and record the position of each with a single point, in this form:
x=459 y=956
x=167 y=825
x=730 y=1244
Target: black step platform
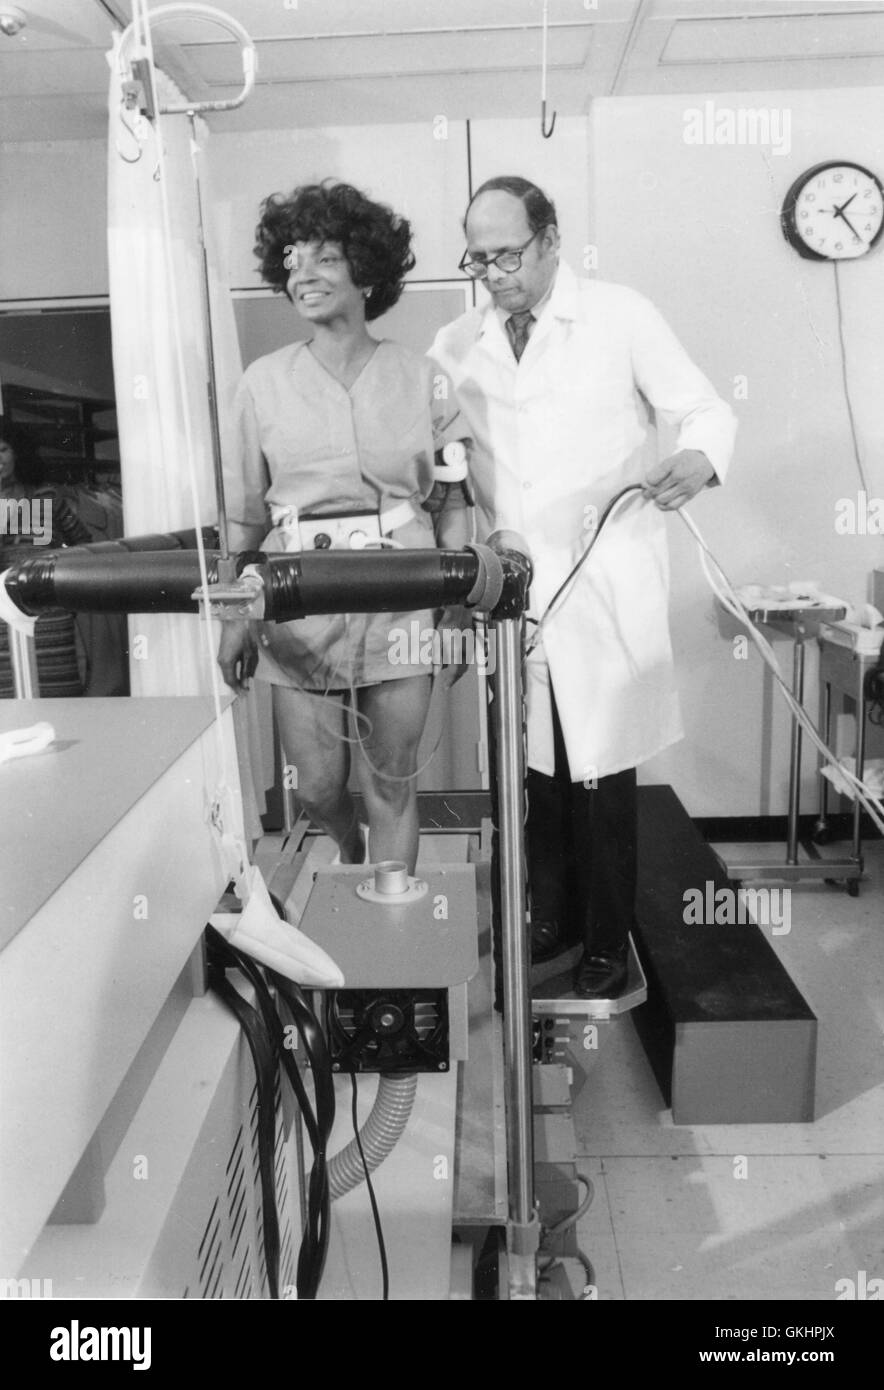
x=730 y=1038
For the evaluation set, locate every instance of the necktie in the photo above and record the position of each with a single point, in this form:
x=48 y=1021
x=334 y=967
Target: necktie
x=518 y=327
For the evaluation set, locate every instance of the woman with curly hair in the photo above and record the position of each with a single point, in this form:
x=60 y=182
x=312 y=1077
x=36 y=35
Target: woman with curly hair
x=340 y=423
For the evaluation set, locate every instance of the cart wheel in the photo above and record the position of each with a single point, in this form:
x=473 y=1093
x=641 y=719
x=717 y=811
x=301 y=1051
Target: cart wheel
x=853 y=887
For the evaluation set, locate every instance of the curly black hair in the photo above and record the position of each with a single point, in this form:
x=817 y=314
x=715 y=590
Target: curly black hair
x=375 y=241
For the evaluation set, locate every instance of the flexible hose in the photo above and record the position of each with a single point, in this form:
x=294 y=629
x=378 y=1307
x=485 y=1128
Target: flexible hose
x=379 y=1135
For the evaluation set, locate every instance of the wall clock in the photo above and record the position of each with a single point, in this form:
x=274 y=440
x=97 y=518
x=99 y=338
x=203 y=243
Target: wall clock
x=834 y=212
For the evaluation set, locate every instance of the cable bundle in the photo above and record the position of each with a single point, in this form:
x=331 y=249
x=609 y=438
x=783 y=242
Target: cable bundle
x=266 y=1037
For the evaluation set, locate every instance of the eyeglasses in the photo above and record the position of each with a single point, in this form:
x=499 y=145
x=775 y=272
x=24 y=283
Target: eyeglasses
x=507 y=261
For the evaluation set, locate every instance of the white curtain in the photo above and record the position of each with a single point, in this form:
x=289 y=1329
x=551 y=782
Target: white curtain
x=156 y=411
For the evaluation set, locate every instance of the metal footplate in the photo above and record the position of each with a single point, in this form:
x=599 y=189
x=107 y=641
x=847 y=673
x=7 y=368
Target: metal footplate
x=552 y=989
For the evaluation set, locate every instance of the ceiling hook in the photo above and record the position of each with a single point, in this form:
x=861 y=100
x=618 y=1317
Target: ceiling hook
x=545 y=131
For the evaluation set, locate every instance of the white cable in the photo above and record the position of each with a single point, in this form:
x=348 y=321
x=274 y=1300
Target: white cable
x=732 y=602
x=140 y=17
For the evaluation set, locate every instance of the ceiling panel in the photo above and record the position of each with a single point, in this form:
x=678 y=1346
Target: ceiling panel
x=777 y=38
x=378 y=61
x=399 y=55
x=270 y=19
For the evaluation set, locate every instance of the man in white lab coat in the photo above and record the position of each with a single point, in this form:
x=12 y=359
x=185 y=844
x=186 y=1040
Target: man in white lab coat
x=554 y=377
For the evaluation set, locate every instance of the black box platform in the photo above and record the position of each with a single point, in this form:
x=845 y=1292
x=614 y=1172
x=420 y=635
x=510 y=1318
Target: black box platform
x=729 y=1036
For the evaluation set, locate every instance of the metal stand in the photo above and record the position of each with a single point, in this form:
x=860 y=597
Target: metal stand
x=523 y=1228
x=798 y=624
x=846 y=670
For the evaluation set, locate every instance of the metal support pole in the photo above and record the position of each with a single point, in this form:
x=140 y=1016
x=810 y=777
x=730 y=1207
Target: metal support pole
x=23 y=658
x=211 y=383
x=507 y=723
x=860 y=755
x=795 y=760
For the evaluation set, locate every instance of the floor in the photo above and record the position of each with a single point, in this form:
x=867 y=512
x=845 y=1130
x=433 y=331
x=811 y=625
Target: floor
x=738 y=1212
x=721 y=1212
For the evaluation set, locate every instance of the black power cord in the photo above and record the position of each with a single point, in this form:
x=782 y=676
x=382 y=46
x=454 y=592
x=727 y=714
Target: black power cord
x=265 y=1072
x=314 y=1244
x=316 y=1051
x=311 y=1256
x=382 y=1249
x=535 y=636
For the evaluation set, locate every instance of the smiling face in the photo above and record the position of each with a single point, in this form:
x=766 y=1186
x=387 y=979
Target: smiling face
x=320 y=284
x=497 y=221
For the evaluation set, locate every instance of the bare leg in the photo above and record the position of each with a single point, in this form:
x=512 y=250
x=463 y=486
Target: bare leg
x=312 y=729
x=398 y=711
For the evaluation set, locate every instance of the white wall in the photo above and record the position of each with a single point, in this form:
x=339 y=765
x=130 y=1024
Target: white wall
x=53 y=219
x=696 y=228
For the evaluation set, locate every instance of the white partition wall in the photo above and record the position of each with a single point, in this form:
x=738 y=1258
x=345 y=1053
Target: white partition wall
x=420 y=169
x=696 y=228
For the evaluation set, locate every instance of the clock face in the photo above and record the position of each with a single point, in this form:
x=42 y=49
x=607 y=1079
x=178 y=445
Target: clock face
x=834 y=212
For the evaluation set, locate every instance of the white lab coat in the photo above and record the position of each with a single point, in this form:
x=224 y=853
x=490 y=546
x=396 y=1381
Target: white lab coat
x=555 y=437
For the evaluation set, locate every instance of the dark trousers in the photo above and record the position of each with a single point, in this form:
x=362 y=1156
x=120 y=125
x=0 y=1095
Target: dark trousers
x=582 y=852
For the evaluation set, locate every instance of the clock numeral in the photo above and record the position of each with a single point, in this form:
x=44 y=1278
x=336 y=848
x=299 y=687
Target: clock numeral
x=867 y=227
x=839 y=245
x=805 y=213
x=807 y=233
x=856 y=241
x=811 y=198
x=837 y=178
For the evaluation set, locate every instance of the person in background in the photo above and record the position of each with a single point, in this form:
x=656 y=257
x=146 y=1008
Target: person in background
x=341 y=422
x=31 y=515
x=553 y=376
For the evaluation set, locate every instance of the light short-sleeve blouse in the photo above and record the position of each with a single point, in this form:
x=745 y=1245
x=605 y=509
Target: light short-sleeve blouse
x=302 y=438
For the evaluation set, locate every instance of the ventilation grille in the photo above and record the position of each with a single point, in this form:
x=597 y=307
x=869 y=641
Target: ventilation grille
x=230 y=1260
x=388 y=1030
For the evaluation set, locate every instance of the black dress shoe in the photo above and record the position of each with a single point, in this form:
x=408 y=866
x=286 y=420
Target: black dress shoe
x=603 y=975
x=546 y=942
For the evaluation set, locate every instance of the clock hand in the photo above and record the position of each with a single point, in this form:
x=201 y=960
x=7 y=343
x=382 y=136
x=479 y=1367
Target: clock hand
x=839 y=213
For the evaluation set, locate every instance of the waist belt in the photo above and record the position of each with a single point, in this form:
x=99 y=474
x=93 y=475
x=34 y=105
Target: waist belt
x=285 y=518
